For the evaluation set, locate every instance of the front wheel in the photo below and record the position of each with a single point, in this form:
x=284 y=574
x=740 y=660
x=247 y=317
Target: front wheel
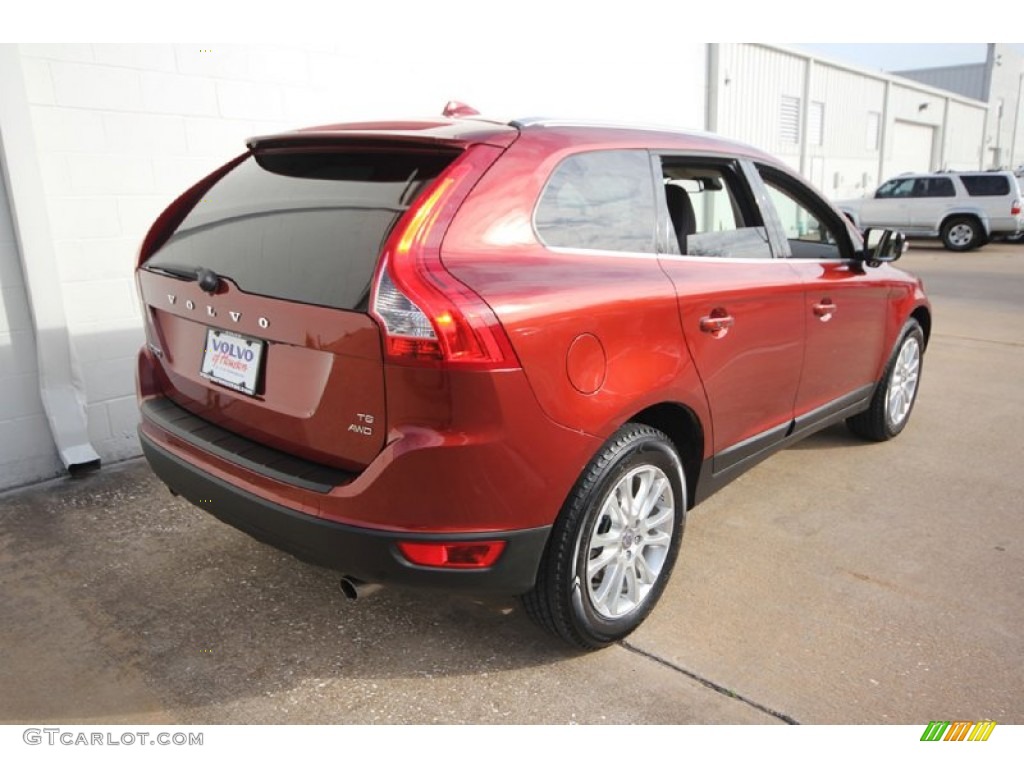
x=614 y=544
x=896 y=393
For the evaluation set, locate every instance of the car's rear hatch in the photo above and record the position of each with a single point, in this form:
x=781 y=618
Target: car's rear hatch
x=256 y=301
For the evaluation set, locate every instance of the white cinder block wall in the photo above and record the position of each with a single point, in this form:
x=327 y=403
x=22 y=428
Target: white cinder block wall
x=26 y=448
x=123 y=129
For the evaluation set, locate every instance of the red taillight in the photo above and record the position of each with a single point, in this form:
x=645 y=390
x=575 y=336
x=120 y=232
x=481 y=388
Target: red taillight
x=428 y=315
x=1015 y=208
x=452 y=554
x=173 y=215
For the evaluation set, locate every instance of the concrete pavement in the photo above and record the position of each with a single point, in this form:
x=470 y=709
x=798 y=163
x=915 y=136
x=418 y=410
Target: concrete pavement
x=838 y=582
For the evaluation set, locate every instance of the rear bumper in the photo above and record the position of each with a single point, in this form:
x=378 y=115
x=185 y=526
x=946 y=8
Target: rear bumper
x=364 y=553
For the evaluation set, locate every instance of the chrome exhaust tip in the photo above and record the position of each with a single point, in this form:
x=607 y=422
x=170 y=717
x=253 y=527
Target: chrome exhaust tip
x=354 y=588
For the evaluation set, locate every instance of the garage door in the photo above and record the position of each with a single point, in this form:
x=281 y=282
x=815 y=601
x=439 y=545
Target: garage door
x=911 y=149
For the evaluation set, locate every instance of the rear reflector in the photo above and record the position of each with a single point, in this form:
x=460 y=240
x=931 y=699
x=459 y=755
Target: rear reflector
x=465 y=554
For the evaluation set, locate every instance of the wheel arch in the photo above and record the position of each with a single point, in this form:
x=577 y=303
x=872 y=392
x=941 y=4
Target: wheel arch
x=966 y=213
x=924 y=319
x=681 y=425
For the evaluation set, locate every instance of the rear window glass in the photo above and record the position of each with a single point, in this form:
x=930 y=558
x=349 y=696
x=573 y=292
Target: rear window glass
x=986 y=186
x=599 y=201
x=302 y=226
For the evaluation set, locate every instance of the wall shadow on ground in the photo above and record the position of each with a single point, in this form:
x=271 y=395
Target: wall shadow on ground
x=109 y=578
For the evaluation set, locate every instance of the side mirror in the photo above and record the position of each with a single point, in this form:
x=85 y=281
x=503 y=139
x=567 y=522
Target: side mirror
x=883 y=245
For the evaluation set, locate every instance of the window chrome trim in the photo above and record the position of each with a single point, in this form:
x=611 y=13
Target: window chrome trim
x=674 y=256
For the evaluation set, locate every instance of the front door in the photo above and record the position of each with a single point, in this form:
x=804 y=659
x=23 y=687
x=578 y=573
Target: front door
x=844 y=304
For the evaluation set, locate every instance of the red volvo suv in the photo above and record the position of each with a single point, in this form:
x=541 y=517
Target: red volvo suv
x=507 y=357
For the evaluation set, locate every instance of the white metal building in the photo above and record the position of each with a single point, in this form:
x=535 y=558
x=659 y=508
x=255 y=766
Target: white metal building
x=999 y=82
x=844 y=128
x=96 y=139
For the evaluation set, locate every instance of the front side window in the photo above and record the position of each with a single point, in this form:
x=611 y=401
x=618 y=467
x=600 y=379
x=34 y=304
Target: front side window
x=812 y=230
x=896 y=188
x=599 y=201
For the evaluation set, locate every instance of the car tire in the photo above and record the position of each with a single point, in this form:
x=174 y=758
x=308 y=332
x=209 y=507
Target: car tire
x=962 y=233
x=614 y=543
x=896 y=393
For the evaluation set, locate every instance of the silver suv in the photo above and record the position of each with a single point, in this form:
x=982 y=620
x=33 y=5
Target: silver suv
x=964 y=209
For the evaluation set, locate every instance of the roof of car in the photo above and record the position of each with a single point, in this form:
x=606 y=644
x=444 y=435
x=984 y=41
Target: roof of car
x=465 y=131
x=436 y=131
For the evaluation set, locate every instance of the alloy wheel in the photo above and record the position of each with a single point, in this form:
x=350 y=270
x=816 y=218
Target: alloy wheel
x=903 y=384
x=630 y=541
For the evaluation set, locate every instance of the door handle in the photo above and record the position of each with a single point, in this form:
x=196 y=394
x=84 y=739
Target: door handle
x=717 y=323
x=824 y=310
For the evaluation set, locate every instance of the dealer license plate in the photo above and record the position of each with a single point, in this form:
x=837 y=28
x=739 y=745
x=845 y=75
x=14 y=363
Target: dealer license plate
x=232 y=360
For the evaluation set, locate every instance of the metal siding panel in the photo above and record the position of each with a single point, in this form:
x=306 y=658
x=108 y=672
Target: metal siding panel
x=848 y=98
x=758 y=78
x=966 y=125
x=967 y=80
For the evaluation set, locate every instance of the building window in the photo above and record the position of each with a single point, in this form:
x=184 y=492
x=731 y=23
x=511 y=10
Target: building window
x=873 y=131
x=789 y=120
x=816 y=123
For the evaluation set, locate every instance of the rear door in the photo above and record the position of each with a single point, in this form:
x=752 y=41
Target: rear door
x=741 y=309
x=930 y=199
x=257 y=302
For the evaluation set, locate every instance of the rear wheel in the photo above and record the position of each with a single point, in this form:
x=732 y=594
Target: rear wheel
x=615 y=542
x=962 y=233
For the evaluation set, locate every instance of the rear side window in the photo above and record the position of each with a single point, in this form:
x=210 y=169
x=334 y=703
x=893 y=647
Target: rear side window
x=302 y=226
x=986 y=186
x=934 y=187
x=599 y=201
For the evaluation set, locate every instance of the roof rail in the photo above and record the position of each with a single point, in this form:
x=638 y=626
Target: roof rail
x=526 y=122
x=550 y=122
